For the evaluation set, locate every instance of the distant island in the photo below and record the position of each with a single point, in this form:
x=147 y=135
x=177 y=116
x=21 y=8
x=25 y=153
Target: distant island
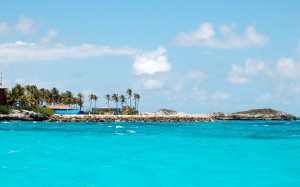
x=29 y=103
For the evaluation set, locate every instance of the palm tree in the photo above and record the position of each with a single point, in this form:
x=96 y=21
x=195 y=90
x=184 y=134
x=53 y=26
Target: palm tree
x=19 y=94
x=80 y=100
x=138 y=101
x=95 y=99
x=136 y=98
x=42 y=93
x=48 y=97
x=91 y=98
x=129 y=93
x=55 y=95
x=115 y=98
x=122 y=100
x=69 y=97
x=107 y=97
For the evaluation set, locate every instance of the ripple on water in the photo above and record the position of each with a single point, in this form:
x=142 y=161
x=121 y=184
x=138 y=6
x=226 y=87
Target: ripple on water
x=131 y=131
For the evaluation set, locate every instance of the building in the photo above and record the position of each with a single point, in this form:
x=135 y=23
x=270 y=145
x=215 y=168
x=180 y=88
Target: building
x=64 y=109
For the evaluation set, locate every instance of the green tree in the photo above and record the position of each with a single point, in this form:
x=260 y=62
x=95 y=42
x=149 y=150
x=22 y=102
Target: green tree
x=107 y=98
x=91 y=98
x=115 y=98
x=17 y=93
x=122 y=100
x=95 y=99
x=55 y=95
x=129 y=93
x=80 y=100
x=136 y=98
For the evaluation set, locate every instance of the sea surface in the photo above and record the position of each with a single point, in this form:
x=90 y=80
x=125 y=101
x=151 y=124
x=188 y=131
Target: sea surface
x=213 y=154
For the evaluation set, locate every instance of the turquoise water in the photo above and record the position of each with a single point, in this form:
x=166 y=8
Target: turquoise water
x=215 y=154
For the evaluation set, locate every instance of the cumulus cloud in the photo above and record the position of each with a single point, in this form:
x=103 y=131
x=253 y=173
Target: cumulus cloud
x=288 y=68
x=206 y=35
x=26 y=25
x=22 y=51
x=152 y=83
x=241 y=75
x=4 y=28
x=47 y=39
x=152 y=62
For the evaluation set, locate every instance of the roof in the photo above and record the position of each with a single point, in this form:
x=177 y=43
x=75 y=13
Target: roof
x=58 y=107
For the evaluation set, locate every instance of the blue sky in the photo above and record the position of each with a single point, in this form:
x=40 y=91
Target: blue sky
x=190 y=56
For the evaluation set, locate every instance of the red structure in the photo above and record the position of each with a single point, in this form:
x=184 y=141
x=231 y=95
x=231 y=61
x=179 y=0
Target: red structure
x=2 y=95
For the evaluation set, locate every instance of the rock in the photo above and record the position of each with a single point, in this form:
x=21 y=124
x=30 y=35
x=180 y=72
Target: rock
x=166 y=112
x=23 y=115
x=256 y=114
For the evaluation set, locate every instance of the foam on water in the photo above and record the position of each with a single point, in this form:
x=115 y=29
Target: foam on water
x=229 y=153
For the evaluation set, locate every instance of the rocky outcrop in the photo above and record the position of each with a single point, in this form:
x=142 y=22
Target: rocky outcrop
x=257 y=114
x=23 y=115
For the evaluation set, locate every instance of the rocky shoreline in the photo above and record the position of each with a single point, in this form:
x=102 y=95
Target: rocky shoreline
x=165 y=116
x=23 y=115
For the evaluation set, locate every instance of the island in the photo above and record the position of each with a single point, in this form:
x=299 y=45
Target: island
x=162 y=115
x=30 y=103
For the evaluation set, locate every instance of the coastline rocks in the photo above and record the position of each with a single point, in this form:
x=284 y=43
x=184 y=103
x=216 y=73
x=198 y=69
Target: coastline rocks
x=23 y=115
x=172 y=116
x=160 y=116
x=129 y=118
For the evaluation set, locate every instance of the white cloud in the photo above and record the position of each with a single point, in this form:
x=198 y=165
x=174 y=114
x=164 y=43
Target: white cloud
x=288 y=68
x=177 y=86
x=206 y=36
x=51 y=34
x=38 y=83
x=26 y=25
x=241 y=75
x=152 y=62
x=195 y=75
x=220 y=96
x=21 y=51
x=4 y=28
x=19 y=81
x=152 y=84
x=236 y=75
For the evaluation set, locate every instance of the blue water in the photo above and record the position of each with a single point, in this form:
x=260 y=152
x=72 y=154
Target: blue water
x=215 y=154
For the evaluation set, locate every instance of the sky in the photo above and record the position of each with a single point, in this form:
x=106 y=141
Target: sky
x=191 y=56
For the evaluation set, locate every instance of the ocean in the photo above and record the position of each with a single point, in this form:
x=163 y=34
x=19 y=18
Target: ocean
x=212 y=154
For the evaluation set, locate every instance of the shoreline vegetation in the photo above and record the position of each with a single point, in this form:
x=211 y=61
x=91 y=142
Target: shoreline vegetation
x=32 y=106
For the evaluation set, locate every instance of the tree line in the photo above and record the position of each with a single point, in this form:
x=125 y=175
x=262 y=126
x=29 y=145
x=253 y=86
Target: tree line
x=31 y=95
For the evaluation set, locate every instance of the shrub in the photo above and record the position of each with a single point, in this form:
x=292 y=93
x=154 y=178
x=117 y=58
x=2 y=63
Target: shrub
x=5 y=109
x=127 y=110
x=42 y=110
